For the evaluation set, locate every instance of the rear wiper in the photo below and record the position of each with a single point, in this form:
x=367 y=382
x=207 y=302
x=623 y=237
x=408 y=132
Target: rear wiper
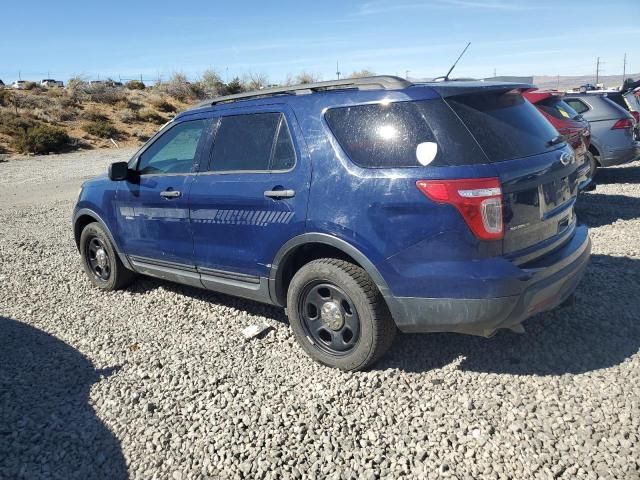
x=556 y=140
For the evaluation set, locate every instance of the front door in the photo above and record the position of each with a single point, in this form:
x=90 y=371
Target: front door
x=152 y=208
x=250 y=198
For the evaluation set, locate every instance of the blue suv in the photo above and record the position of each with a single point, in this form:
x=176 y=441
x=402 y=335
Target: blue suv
x=361 y=206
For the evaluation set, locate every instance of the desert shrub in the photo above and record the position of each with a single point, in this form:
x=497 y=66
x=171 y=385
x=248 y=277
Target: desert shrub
x=255 y=81
x=14 y=125
x=56 y=92
x=94 y=115
x=55 y=114
x=6 y=98
x=151 y=116
x=362 y=73
x=101 y=128
x=211 y=84
x=128 y=115
x=181 y=89
x=30 y=85
x=307 y=77
x=31 y=101
x=104 y=94
x=42 y=139
x=162 y=104
x=135 y=85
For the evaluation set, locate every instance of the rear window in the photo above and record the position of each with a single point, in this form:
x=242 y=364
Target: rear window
x=504 y=124
x=387 y=135
x=618 y=99
x=557 y=108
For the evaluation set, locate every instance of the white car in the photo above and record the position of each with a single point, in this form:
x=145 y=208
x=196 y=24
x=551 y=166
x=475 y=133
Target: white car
x=49 y=83
x=19 y=84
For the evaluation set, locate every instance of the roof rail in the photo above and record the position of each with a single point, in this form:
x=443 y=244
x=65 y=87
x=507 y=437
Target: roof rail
x=385 y=82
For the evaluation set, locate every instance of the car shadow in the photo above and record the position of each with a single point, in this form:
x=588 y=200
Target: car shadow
x=48 y=428
x=599 y=209
x=625 y=174
x=144 y=284
x=601 y=331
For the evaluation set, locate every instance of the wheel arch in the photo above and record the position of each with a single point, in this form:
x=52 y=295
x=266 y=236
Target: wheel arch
x=84 y=217
x=287 y=260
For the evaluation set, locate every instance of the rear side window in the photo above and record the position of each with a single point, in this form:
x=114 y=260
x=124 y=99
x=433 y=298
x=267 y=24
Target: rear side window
x=253 y=142
x=557 y=108
x=618 y=99
x=505 y=125
x=578 y=105
x=387 y=135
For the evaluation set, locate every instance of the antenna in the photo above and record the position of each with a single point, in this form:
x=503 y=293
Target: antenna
x=446 y=77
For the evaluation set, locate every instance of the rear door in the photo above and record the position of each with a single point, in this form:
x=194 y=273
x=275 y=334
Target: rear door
x=537 y=169
x=250 y=196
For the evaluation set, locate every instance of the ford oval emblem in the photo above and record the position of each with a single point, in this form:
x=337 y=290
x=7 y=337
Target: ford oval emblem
x=566 y=158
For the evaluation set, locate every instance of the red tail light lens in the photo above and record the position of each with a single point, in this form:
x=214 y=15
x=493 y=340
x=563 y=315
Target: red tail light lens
x=636 y=116
x=479 y=201
x=622 y=124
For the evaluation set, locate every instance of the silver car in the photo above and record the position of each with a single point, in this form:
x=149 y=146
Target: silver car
x=612 y=128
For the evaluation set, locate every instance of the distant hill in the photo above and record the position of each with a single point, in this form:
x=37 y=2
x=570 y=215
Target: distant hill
x=568 y=82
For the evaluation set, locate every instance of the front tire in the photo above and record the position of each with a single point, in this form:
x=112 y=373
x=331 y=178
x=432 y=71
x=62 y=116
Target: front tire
x=338 y=315
x=100 y=261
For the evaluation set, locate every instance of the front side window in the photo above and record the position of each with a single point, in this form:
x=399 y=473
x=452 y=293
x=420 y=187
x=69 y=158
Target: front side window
x=258 y=142
x=174 y=151
x=577 y=105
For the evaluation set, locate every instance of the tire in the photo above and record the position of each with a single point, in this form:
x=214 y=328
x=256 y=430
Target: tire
x=338 y=315
x=593 y=164
x=104 y=269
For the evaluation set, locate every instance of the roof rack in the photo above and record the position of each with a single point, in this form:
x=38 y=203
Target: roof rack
x=385 y=82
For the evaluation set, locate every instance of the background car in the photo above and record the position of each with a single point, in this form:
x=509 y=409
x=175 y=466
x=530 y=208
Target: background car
x=572 y=126
x=612 y=128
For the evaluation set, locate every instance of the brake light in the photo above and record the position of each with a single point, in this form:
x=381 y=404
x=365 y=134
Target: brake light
x=636 y=116
x=622 y=124
x=479 y=201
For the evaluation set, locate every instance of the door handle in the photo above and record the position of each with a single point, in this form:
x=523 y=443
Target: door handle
x=280 y=193
x=170 y=194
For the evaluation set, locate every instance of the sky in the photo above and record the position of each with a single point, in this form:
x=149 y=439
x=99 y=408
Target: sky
x=154 y=39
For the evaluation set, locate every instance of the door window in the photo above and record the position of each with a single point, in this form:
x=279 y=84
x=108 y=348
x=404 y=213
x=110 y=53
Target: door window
x=257 y=142
x=174 y=151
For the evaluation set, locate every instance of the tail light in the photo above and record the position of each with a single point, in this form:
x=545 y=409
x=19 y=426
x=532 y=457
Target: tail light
x=636 y=116
x=479 y=201
x=622 y=124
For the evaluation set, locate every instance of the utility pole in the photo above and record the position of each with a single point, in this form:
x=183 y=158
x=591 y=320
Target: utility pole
x=337 y=70
x=558 y=82
x=597 y=70
x=624 y=67
x=494 y=72
x=406 y=74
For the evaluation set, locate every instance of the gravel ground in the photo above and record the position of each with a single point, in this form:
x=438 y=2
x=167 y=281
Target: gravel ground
x=157 y=382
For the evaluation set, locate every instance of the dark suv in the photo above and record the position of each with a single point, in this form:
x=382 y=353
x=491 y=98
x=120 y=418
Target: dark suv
x=359 y=205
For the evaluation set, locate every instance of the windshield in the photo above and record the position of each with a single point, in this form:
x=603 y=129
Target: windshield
x=557 y=108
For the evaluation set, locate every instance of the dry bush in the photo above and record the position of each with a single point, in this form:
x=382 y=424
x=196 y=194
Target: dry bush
x=255 y=81
x=135 y=85
x=94 y=115
x=181 y=89
x=101 y=128
x=161 y=104
x=151 y=116
x=211 y=84
x=104 y=94
x=307 y=77
x=362 y=73
x=42 y=139
x=31 y=101
x=128 y=115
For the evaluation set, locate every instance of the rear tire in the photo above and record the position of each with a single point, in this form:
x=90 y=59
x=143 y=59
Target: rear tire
x=100 y=261
x=593 y=164
x=338 y=315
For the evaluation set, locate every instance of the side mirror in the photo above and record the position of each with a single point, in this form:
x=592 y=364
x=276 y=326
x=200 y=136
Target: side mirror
x=119 y=171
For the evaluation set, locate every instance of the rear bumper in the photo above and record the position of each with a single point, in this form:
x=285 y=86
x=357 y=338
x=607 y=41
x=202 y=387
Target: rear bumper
x=545 y=285
x=620 y=156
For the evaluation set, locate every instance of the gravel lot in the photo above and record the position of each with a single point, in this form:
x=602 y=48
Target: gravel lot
x=157 y=382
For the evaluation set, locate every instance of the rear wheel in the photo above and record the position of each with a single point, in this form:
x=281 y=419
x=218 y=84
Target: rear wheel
x=100 y=260
x=594 y=162
x=338 y=315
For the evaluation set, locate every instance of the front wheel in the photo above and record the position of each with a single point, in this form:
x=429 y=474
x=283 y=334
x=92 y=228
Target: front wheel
x=338 y=315
x=100 y=260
